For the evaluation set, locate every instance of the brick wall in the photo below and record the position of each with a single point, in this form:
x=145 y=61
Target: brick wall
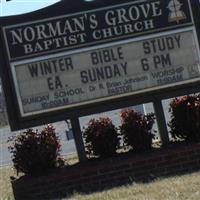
x=100 y=174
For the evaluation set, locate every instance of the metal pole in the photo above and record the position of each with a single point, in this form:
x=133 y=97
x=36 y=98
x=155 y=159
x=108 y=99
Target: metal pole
x=162 y=127
x=78 y=139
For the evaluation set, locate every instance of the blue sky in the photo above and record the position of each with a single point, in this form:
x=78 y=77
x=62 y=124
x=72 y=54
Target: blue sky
x=22 y=6
x=14 y=7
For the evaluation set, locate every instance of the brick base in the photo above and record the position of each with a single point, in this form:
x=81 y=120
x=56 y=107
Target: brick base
x=103 y=173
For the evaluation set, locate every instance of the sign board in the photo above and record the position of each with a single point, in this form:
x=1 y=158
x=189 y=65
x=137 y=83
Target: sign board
x=96 y=75
x=100 y=53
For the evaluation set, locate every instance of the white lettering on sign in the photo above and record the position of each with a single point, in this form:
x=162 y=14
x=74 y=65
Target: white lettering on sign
x=134 y=13
x=114 y=22
x=76 y=25
x=47 y=31
x=99 y=74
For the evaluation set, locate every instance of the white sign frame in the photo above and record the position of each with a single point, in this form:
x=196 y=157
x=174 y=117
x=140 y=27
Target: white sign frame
x=74 y=105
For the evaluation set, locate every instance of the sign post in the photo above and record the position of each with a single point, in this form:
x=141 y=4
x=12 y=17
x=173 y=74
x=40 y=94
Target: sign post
x=160 y=117
x=78 y=139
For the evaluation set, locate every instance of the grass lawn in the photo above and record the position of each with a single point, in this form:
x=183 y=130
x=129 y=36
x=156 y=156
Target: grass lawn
x=186 y=187
x=5 y=186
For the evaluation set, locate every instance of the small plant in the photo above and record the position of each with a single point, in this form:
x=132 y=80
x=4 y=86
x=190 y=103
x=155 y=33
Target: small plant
x=101 y=137
x=136 y=129
x=185 y=118
x=34 y=152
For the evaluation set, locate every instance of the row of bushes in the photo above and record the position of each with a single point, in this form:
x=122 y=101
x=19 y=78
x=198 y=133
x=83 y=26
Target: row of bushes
x=102 y=138
x=34 y=152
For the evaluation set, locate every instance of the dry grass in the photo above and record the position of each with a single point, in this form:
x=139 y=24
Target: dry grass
x=70 y=159
x=5 y=185
x=186 y=187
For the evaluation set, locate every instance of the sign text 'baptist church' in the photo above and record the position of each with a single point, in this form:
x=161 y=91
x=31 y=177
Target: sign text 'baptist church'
x=94 y=27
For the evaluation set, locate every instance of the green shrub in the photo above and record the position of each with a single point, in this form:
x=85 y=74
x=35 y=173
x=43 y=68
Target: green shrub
x=185 y=118
x=34 y=153
x=101 y=137
x=136 y=129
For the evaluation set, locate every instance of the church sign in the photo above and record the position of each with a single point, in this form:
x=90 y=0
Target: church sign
x=68 y=63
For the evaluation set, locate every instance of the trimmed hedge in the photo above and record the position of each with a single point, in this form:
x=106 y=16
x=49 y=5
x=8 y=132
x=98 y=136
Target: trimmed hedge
x=101 y=137
x=185 y=118
x=34 y=153
x=136 y=129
